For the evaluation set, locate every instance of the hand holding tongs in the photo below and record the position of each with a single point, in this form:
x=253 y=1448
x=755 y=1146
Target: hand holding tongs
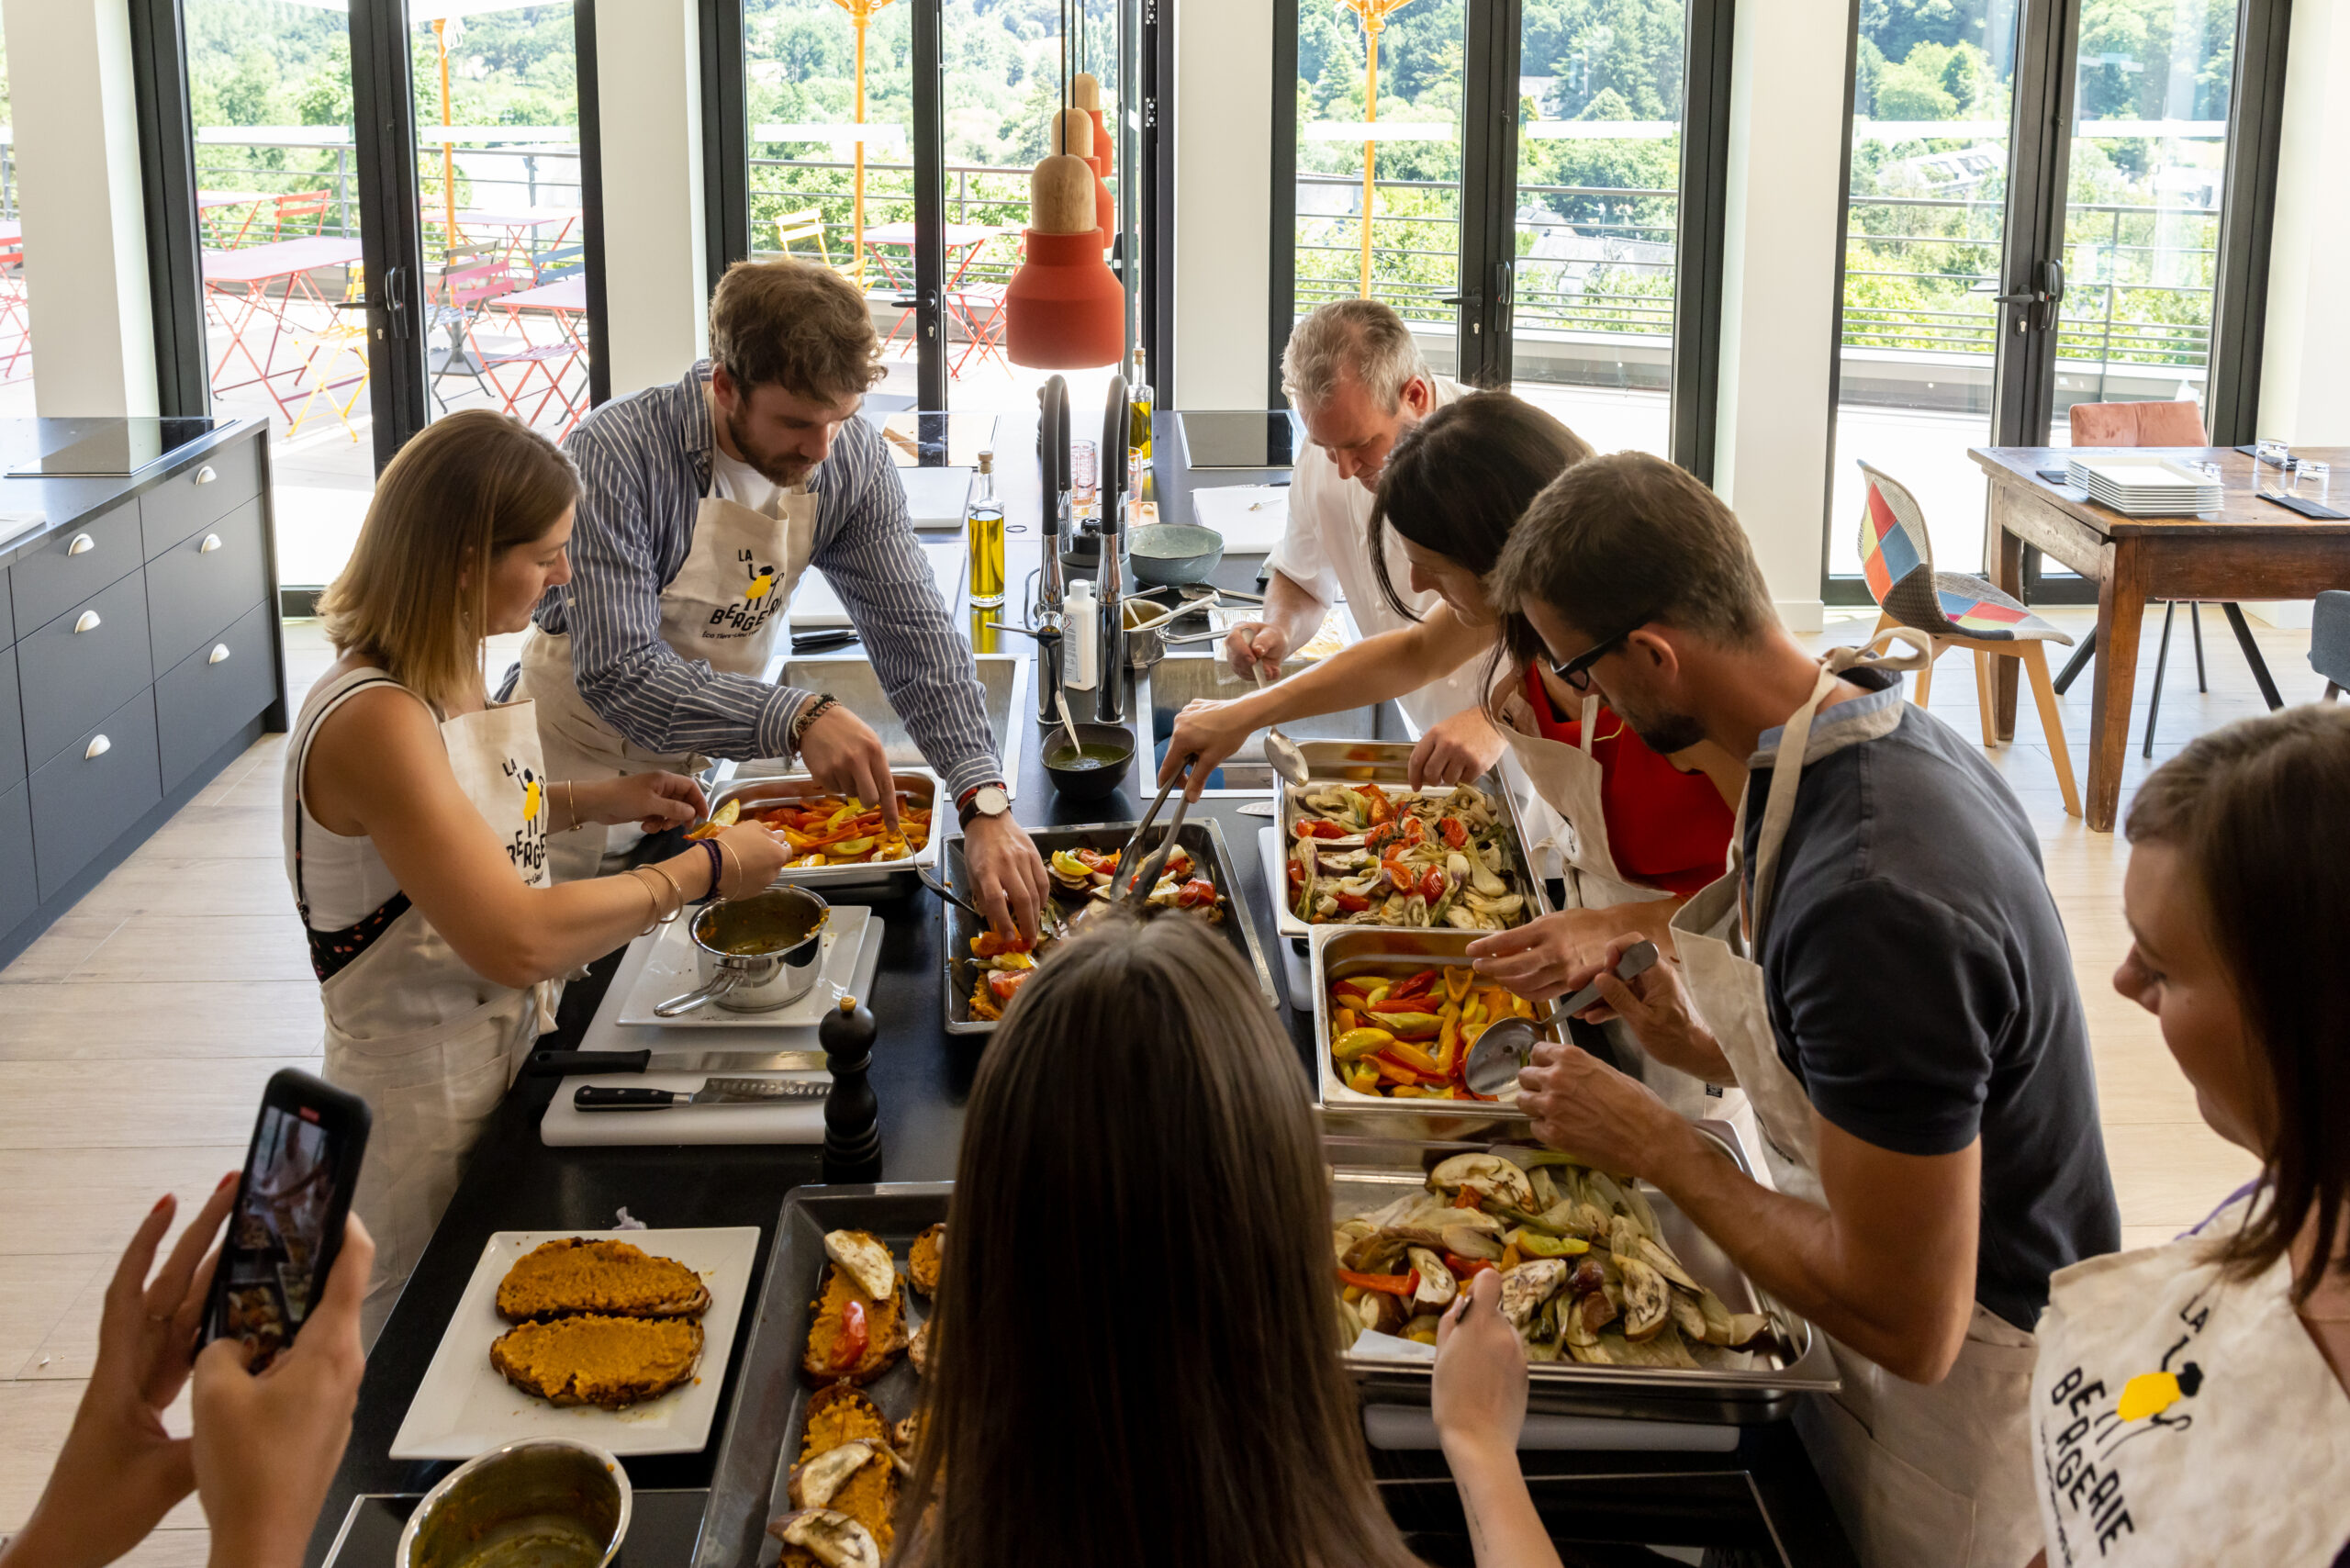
x=1136 y=869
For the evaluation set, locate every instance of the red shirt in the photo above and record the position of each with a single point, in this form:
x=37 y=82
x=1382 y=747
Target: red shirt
x=1665 y=828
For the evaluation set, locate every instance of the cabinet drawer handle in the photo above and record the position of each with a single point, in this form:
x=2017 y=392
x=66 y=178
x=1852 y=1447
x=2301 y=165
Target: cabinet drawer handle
x=99 y=745
x=211 y=543
x=88 y=622
x=206 y=475
x=82 y=542
x=219 y=651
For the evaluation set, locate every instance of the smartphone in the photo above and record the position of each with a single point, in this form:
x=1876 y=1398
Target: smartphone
x=287 y=1226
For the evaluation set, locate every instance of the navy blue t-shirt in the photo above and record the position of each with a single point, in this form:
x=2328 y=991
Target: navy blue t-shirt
x=1922 y=987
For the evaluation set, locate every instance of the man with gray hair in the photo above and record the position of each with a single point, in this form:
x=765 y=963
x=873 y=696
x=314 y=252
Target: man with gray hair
x=1358 y=382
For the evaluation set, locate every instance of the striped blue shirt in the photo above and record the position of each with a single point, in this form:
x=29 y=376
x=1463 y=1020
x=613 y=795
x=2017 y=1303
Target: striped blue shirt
x=645 y=465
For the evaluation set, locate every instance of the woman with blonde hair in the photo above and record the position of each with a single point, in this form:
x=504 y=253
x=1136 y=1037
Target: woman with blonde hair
x=417 y=813
x=1136 y=1357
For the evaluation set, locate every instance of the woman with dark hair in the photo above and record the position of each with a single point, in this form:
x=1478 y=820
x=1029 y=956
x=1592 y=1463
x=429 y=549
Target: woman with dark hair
x=1137 y=1347
x=2189 y=1401
x=1632 y=834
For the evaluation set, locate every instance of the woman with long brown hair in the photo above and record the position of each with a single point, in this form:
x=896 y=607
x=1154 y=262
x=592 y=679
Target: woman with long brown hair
x=417 y=813
x=2191 y=1402
x=1137 y=1353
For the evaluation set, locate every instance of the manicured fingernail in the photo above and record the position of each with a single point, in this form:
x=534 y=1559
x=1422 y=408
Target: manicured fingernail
x=161 y=1204
x=224 y=1181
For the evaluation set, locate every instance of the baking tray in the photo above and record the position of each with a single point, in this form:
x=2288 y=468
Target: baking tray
x=1200 y=836
x=1388 y=762
x=1343 y=950
x=763 y=1430
x=1366 y=1173
x=891 y=878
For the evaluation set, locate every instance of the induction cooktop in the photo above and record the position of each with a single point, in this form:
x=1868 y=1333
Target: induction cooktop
x=81 y=449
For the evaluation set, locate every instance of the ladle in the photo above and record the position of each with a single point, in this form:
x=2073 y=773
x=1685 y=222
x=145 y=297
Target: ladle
x=1283 y=754
x=1508 y=1044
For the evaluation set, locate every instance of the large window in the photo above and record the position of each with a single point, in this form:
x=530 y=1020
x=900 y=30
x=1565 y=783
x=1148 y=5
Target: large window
x=16 y=302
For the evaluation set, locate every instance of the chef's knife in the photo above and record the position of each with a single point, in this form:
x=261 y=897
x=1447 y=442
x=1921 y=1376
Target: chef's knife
x=565 y=1064
x=713 y=1091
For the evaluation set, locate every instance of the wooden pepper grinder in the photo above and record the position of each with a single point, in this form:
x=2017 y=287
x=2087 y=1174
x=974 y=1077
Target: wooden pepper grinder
x=852 y=1116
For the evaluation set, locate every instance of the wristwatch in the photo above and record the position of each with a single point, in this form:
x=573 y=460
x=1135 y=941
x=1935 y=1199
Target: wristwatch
x=987 y=799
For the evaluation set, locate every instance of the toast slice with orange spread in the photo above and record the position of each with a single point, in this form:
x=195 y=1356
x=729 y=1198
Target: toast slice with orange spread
x=596 y=1274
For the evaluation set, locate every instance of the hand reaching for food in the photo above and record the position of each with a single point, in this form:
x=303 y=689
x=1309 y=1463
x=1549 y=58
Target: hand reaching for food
x=1478 y=1398
x=654 y=801
x=1457 y=750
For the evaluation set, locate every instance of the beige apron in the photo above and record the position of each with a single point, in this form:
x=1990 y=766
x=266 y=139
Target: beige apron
x=1560 y=805
x=2182 y=1419
x=1922 y=1477
x=411 y=1028
x=728 y=606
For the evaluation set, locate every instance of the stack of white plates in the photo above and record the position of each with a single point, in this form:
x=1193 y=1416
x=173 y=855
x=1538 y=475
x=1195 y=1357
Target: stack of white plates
x=2145 y=486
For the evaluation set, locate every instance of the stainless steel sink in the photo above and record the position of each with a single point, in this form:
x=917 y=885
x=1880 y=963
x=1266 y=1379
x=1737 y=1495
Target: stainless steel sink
x=1178 y=679
x=1003 y=680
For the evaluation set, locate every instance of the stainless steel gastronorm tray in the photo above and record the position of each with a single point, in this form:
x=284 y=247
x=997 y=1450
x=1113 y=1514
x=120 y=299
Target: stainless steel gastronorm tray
x=891 y=877
x=1201 y=837
x=1386 y=763
x=1343 y=950
x=769 y=1413
x=1368 y=1173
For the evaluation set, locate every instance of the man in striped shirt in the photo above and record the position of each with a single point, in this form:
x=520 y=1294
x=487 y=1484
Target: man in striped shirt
x=702 y=503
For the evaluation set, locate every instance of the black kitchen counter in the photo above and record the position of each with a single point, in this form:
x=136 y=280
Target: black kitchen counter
x=1763 y=1498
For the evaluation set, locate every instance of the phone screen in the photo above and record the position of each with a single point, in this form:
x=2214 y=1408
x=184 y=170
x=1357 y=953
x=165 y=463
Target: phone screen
x=278 y=1233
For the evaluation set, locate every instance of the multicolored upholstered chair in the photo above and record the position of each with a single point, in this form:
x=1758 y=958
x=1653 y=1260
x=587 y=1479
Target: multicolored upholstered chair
x=1957 y=612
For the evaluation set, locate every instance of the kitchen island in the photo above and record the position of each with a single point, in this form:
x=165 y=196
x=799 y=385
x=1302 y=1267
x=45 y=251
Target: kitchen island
x=1761 y=1497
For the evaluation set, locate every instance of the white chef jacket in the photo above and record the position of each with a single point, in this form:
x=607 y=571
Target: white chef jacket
x=1325 y=550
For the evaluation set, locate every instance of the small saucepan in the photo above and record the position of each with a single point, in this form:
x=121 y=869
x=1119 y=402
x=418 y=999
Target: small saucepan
x=1171 y=554
x=755 y=954
x=537 y=1500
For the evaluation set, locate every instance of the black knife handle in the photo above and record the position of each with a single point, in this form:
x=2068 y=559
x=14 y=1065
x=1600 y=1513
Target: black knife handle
x=601 y=1097
x=561 y=1064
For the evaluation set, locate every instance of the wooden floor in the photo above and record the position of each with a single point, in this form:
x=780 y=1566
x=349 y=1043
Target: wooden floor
x=134 y=1035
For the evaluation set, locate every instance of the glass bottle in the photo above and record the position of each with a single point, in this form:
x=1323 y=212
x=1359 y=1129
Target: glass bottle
x=1138 y=412
x=983 y=519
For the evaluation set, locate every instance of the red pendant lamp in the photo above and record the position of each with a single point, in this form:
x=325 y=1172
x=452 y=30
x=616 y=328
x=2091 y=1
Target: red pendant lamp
x=1064 y=309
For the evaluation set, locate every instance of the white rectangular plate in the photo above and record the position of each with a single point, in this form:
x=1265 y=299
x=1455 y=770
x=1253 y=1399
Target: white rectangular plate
x=670 y=971
x=464 y=1407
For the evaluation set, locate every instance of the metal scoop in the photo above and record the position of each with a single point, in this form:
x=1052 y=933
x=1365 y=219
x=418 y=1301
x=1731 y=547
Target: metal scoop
x=1282 y=753
x=1508 y=1044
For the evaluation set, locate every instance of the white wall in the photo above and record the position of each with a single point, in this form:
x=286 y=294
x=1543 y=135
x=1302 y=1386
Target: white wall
x=648 y=67
x=77 y=181
x=1224 y=196
x=1786 y=133
x=2305 y=365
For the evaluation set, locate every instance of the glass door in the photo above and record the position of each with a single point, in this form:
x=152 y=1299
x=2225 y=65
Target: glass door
x=1925 y=221
x=1598 y=218
x=2141 y=214
x=1381 y=97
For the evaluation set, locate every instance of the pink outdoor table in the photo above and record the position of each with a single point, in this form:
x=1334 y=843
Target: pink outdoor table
x=252 y=270
x=970 y=238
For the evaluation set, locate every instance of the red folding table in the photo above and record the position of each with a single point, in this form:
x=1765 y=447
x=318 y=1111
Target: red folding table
x=253 y=271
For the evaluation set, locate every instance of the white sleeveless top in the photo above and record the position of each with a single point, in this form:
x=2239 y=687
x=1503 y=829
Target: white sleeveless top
x=344 y=879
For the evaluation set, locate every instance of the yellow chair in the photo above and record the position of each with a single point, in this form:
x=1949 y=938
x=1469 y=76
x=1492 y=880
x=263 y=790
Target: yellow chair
x=345 y=334
x=803 y=226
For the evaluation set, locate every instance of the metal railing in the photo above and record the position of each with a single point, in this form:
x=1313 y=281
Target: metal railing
x=279 y=168
x=781 y=185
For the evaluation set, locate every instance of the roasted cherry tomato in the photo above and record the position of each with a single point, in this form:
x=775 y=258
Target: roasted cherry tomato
x=988 y=945
x=1433 y=884
x=1320 y=830
x=1004 y=982
x=1353 y=903
x=849 y=1349
x=1197 y=893
x=1455 y=835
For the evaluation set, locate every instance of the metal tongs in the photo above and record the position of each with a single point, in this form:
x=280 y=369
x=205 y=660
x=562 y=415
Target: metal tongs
x=1136 y=869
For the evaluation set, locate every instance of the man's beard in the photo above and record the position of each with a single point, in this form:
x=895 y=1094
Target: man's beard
x=1663 y=734
x=783 y=470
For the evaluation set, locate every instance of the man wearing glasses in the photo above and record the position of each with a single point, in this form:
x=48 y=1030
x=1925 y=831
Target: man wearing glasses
x=1886 y=976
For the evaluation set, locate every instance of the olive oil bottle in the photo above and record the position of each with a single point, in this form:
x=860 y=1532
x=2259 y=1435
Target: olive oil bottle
x=983 y=520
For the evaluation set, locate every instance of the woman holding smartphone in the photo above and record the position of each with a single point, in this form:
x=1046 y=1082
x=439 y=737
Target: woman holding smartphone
x=2191 y=1402
x=417 y=813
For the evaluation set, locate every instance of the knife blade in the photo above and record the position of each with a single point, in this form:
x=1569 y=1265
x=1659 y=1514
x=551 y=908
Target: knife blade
x=713 y=1091
x=565 y=1064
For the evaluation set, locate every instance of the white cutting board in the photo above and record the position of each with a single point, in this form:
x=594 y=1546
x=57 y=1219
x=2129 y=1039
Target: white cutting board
x=566 y=1126
x=935 y=497
x=1252 y=517
x=816 y=608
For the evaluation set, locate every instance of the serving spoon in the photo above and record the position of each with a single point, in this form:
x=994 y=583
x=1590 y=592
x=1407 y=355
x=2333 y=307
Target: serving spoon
x=1508 y=1044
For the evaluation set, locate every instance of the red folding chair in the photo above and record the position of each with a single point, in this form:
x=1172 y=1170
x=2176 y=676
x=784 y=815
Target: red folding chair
x=979 y=306
x=301 y=207
x=16 y=318
x=470 y=289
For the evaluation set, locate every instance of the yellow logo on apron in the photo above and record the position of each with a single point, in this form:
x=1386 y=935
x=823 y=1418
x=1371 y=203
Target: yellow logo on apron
x=527 y=848
x=2151 y=1393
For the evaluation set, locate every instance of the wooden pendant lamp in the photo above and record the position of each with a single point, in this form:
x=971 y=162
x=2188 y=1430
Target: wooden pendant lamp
x=1064 y=309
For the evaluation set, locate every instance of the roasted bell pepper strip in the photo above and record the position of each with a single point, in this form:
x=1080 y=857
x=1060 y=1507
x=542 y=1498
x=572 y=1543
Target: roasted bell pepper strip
x=849 y=1349
x=1352 y=1044
x=1343 y=1019
x=1534 y=1243
x=1511 y=1258
x=1418 y=1060
x=1457 y=983
x=1391 y=1002
x=1448 y=1048
x=1392 y=1284
x=1417 y=985
x=1466 y=1268
x=1348 y=988
x=988 y=945
x=1393 y=1070
x=1363 y=1079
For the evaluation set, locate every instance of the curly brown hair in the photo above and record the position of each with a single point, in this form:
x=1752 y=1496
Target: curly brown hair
x=796 y=326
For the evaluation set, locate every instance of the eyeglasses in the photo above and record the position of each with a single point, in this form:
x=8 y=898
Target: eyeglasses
x=1576 y=671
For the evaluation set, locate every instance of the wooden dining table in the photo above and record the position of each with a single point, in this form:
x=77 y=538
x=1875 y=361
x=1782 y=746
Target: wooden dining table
x=2248 y=549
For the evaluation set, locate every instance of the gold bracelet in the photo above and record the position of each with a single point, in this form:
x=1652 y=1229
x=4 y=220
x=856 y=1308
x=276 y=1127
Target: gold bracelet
x=670 y=918
x=725 y=853
x=651 y=891
x=571 y=801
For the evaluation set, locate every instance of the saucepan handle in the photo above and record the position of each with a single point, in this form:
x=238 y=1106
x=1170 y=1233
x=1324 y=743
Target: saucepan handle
x=722 y=982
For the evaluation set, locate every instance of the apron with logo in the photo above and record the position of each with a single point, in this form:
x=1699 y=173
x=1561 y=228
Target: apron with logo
x=1922 y=1477
x=1560 y=806
x=728 y=606
x=410 y=1027
x=2181 y=1419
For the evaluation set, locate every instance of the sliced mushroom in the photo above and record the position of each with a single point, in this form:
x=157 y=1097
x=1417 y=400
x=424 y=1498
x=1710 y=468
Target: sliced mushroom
x=1647 y=1300
x=1345 y=1234
x=918 y=1349
x=1379 y=1310
x=1436 y=1287
x=1374 y=1255
x=865 y=1259
x=1528 y=1286
x=834 y=1539
x=815 y=1484
x=1487 y=1175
